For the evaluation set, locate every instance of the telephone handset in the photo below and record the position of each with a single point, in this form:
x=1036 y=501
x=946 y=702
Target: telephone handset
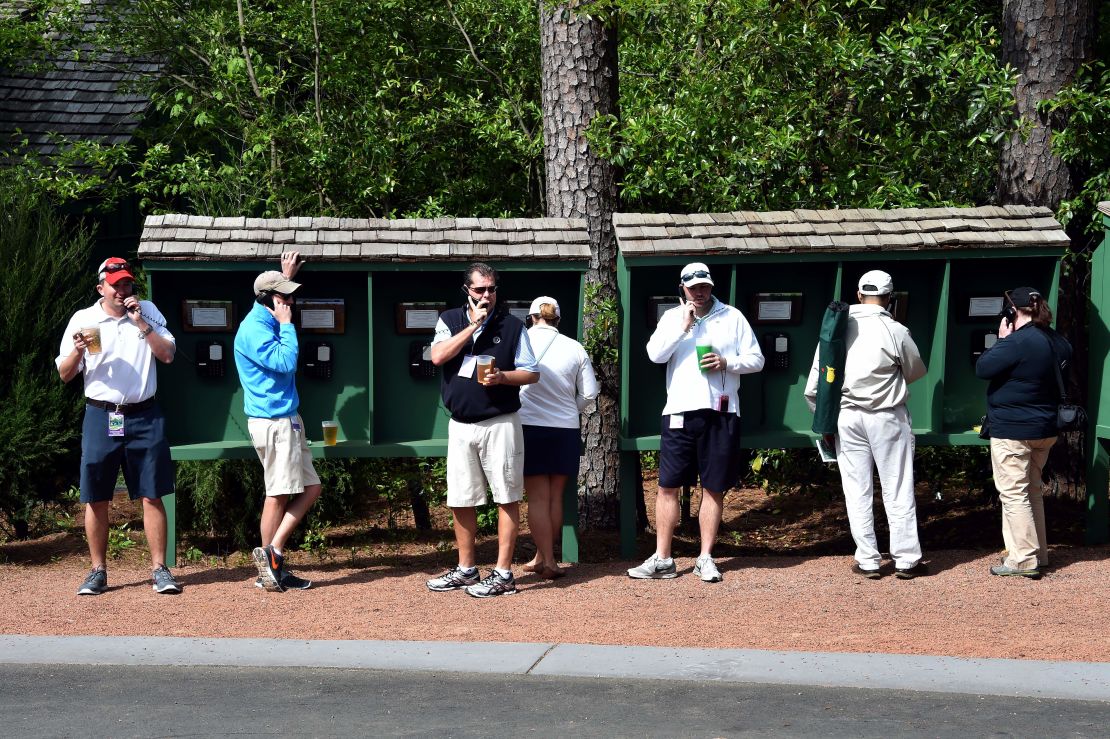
x=266 y=299
x=776 y=348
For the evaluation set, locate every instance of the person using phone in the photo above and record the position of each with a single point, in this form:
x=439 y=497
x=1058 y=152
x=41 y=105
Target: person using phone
x=1022 y=400
x=874 y=429
x=485 y=444
x=123 y=425
x=700 y=435
x=266 y=351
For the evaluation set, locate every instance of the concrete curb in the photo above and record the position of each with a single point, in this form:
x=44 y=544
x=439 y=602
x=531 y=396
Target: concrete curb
x=1003 y=677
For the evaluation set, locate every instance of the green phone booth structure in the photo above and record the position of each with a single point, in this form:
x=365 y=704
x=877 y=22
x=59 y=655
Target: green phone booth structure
x=781 y=269
x=1098 y=432
x=372 y=291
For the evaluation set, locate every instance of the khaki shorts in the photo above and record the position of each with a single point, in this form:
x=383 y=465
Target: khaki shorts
x=283 y=450
x=485 y=454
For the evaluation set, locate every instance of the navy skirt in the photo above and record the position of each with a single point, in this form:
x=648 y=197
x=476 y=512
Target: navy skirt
x=551 y=451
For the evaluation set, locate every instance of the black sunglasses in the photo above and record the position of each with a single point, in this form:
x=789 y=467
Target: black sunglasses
x=480 y=290
x=116 y=267
x=700 y=274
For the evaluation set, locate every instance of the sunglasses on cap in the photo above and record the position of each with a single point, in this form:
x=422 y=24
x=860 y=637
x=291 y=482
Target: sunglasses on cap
x=116 y=267
x=701 y=274
x=480 y=290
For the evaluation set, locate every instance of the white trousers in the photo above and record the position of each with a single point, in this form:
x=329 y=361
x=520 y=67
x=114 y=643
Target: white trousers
x=884 y=440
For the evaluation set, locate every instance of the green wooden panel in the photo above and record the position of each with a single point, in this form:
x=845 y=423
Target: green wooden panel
x=965 y=395
x=200 y=410
x=407 y=408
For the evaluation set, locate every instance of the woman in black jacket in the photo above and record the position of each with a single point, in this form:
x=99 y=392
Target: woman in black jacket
x=1022 y=399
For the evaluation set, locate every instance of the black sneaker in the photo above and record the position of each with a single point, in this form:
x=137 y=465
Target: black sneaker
x=909 y=573
x=164 y=582
x=493 y=585
x=289 y=581
x=269 y=564
x=96 y=583
x=869 y=574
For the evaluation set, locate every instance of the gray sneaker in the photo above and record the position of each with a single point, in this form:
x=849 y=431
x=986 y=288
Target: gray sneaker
x=706 y=569
x=164 y=582
x=493 y=585
x=654 y=568
x=96 y=582
x=453 y=580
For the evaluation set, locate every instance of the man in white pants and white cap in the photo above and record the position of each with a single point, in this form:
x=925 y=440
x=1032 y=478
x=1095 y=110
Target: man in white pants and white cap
x=874 y=430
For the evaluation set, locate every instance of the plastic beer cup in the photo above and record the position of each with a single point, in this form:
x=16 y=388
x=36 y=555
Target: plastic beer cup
x=92 y=339
x=485 y=364
x=331 y=433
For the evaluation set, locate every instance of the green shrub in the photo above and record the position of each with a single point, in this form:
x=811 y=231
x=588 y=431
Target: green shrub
x=44 y=277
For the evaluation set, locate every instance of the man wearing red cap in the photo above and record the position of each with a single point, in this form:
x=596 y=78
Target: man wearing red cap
x=114 y=343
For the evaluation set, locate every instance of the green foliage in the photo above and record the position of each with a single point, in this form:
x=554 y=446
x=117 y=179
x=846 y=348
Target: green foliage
x=649 y=461
x=43 y=279
x=314 y=539
x=119 y=540
x=769 y=105
x=781 y=471
x=487 y=518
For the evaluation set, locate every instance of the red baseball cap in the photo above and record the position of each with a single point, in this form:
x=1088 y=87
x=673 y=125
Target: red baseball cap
x=114 y=269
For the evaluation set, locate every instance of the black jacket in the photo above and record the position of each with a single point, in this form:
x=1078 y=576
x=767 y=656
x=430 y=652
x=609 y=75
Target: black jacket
x=1023 y=395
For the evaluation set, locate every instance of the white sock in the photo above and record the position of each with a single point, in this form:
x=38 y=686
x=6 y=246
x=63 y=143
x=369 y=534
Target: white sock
x=505 y=574
x=467 y=570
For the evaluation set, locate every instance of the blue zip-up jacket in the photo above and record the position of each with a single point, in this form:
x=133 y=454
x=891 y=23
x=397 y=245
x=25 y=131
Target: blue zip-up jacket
x=266 y=357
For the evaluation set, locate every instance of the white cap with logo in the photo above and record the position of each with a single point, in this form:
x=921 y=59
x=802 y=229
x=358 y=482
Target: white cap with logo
x=695 y=273
x=876 y=282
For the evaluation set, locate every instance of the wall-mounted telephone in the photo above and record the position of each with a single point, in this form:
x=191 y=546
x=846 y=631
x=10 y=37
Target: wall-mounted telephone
x=420 y=360
x=210 y=359
x=776 y=348
x=318 y=360
x=981 y=341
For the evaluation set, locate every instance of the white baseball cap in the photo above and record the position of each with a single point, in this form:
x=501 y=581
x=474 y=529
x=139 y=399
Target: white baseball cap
x=695 y=273
x=541 y=300
x=876 y=282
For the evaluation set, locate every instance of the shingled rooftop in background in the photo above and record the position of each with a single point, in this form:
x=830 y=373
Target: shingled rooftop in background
x=77 y=95
x=363 y=239
x=849 y=229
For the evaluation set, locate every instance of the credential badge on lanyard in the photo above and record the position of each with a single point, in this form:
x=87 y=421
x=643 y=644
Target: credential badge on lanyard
x=115 y=424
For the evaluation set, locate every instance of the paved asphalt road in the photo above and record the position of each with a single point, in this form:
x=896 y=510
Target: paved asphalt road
x=120 y=700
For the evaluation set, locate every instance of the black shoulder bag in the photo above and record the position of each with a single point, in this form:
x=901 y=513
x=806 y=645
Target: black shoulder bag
x=1069 y=416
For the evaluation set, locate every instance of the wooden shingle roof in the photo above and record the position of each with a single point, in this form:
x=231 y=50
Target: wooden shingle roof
x=181 y=237
x=76 y=95
x=840 y=230
x=1104 y=207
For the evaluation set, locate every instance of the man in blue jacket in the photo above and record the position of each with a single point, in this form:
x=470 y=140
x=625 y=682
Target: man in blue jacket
x=266 y=357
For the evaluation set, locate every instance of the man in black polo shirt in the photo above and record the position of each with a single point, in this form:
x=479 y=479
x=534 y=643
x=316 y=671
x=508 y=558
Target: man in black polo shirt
x=485 y=444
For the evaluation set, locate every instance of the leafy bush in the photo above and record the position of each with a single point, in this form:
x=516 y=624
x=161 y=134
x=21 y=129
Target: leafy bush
x=43 y=279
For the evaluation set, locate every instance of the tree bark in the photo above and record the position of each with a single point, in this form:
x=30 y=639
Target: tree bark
x=578 y=55
x=1046 y=41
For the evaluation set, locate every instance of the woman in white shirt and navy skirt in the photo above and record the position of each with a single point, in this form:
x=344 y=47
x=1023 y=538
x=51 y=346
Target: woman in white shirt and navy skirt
x=552 y=438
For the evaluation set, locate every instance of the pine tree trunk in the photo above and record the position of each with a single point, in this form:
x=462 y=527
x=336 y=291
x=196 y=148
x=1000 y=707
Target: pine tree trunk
x=1046 y=41
x=578 y=57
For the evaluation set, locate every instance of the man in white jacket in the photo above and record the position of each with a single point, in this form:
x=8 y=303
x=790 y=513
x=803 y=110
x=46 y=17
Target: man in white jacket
x=701 y=421
x=874 y=428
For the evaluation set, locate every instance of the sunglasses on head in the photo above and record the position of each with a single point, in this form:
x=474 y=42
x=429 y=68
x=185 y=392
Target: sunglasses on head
x=701 y=274
x=116 y=267
x=480 y=290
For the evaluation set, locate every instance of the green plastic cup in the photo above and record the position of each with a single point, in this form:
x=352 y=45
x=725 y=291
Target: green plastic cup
x=703 y=349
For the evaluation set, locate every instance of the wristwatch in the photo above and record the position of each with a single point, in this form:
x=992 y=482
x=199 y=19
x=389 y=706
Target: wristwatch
x=143 y=333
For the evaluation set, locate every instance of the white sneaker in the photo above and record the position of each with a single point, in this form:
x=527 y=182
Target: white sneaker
x=706 y=569
x=654 y=568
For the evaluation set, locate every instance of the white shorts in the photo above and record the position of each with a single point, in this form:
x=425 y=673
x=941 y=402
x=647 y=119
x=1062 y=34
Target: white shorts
x=485 y=454
x=283 y=450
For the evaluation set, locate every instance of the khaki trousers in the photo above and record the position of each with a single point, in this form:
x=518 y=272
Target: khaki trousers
x=1017 y=475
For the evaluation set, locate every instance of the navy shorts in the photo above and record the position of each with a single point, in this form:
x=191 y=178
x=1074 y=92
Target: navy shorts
x=551 y=451
x=707 y=446
x=142 y=451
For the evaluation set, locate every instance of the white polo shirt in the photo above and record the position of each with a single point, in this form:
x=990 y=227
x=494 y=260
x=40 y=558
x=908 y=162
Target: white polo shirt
x=567 y=381
x=124 y=370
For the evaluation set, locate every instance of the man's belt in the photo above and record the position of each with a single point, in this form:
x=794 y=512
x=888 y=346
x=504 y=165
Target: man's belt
x=123 y=408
